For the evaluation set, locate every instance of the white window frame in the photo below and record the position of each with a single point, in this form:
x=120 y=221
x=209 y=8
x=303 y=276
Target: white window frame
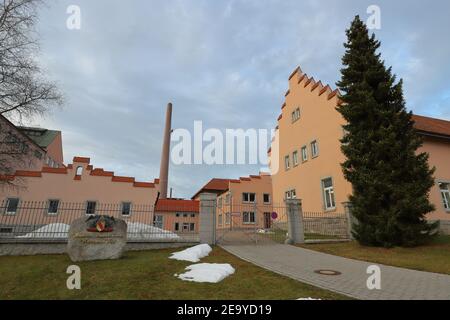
x=295 y=158
x=304 y=153
x=157 y=223
x=314 y=149
x=248 y=195
x=220 y=220
x=445 y=194
x=295 y=115
x=11 y=213
x=287 y=162
x=328 y=194
x=248 y=214
x=121 y=208
x=227 y=218
x=270 y=198
x=48 y=207
x=86 y=208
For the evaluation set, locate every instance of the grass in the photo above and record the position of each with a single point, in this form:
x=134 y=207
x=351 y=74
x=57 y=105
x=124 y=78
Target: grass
x=144 y=275
x=434 y=257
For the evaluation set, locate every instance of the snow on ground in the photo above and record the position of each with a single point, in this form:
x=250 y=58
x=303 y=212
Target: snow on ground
x=141 y=231
x=207 y=272
x=193 y=254
x=136 y=231
x=53 y=230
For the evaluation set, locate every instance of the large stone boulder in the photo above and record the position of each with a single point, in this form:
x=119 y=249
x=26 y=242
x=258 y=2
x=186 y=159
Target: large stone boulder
x=87 y=245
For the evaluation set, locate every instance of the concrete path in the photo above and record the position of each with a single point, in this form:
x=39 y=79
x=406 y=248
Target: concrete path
x=300 y=264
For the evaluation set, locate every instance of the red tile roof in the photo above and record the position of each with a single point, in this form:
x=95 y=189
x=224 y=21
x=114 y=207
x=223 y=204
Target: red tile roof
x=175 y=205
x=214 y=185
x=432 y=125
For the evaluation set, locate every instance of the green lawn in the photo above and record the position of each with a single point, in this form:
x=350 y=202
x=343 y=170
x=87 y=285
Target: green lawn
x=144 y=275
x=434 y=257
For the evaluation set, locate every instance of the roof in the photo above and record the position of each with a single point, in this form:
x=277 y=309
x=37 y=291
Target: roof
x=432 y=126
x=173 y=205
x=12 y=125
x=42 y=137
x=215 y=185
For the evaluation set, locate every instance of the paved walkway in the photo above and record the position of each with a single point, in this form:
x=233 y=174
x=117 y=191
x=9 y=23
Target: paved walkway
x=299 y=264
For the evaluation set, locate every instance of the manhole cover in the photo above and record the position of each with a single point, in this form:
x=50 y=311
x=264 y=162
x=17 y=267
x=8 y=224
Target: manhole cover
x=328 y=272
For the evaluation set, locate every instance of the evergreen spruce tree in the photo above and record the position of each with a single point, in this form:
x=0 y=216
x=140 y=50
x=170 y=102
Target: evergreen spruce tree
x=391 y=182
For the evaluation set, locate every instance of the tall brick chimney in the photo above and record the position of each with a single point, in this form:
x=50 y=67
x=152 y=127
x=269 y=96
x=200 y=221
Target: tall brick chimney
x=164 y=169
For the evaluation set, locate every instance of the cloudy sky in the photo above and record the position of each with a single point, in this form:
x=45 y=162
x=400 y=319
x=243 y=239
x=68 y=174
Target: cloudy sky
x=223 y=62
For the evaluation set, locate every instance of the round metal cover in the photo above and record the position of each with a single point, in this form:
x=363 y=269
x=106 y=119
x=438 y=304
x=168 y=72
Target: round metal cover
x=328 y=272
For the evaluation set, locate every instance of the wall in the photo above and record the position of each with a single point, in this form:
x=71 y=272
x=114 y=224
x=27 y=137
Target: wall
x=254 y=184
x=439 y=156
x=318 y=121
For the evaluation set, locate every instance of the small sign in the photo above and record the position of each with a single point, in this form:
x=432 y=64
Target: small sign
x=274 y=215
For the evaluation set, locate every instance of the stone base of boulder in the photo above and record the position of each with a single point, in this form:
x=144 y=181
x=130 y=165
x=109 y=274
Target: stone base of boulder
x=89 y=246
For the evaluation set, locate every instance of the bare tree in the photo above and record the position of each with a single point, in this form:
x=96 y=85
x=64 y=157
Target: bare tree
x=24 y=89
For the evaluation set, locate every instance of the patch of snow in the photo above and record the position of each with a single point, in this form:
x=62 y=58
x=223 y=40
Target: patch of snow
x=207 y=272
x=264 y=231
x=193 y=254
x=142 y=231
x=53 y=230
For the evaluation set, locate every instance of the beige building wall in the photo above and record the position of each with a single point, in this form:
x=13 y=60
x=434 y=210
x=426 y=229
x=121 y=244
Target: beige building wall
x=231 y=205
x=320 y=121
x=65 y=185
x=439 y=157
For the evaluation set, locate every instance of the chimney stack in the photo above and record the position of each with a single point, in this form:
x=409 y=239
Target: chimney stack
x=164 y=169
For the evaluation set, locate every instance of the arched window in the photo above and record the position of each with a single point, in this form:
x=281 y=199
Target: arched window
x=79 y=171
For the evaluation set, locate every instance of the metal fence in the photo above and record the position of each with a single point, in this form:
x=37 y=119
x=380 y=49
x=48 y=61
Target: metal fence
x=251 y=223
x=325 y=225
x=50 y=220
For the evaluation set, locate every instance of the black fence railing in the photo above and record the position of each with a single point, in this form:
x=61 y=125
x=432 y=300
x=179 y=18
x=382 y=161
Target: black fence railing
x=50 y=220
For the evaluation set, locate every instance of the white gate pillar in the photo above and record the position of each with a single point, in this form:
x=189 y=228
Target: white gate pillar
x=207 y=218
x=295 y=221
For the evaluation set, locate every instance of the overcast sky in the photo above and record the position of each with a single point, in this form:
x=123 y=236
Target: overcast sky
x=223 y=62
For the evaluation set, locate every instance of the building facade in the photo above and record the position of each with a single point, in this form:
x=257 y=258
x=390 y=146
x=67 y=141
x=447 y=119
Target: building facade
x=305 y=154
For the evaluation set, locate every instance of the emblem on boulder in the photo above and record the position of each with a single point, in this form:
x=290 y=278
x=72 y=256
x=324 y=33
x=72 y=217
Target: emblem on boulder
x=100 y=223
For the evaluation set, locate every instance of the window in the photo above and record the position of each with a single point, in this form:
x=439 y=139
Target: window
x=177 y=215
x=304 y=154
x=328 y=194
x=219 y=203
x=53 y=207
x=126 y=208
x=227 y=218
x=295 y=158
x=291 y=194
x=6 y=230
x=445 y=193
x=266 y=198
x=287 y=165
x=90 y=207
x=295 y=115
x=158 y=221
x=79 y=171
x=192 y=215
x=248 y=217
x=220 y=220
x=177 y=226
x=12 y=204
x=314 y=149
x=227 y=198
x=188 y=227
x=248 y=197
x=185 y=215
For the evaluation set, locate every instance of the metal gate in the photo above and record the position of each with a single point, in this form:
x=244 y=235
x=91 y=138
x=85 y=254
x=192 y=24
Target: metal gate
x=251 y=224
